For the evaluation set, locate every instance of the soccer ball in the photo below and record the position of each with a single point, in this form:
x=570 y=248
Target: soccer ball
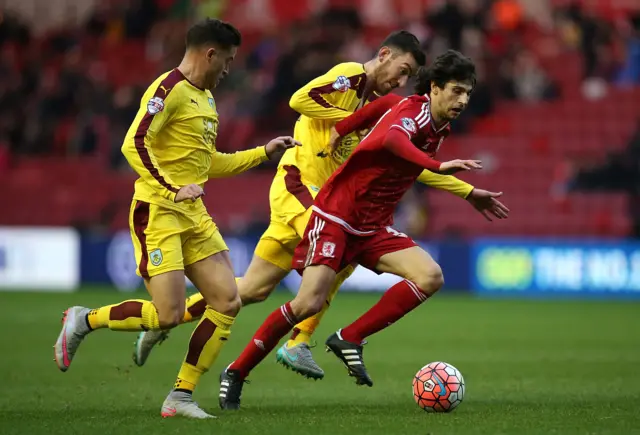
x=438 y=387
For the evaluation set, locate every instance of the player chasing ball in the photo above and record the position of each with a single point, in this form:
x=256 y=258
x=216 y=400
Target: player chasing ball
x=302 y=171
x=171 y=145
x=351 y=224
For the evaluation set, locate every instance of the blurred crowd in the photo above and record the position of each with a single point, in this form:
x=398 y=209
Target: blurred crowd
x=66 y=91
x=620 y=172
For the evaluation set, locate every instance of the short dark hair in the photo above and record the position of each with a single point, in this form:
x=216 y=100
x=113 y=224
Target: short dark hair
x=406 y=42
x=214 y=31
x=449 y=66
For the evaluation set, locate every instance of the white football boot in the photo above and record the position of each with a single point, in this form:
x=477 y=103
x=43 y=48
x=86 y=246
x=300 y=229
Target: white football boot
x=178 y=403
x=145 y=343
x=74 y=329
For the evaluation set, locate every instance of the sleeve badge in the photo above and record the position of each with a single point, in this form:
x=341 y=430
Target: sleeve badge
x=409 y=125
x=155 y=105
x=342 y=84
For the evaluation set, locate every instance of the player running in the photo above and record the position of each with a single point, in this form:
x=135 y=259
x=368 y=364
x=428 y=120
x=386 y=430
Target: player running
x=352 y=217
x=171 y=145
x=303 y=170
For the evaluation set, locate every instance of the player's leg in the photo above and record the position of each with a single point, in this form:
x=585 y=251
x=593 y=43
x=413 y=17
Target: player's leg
x=304 y=330
x=263 y=276
x=156 y=240
x=295 y=353
x=317 y=280
x=208 y=266
x=423 y=278
x=296 y=356
x=147 y=340
x=194 y=307
x=270 y=264
x=260 y=279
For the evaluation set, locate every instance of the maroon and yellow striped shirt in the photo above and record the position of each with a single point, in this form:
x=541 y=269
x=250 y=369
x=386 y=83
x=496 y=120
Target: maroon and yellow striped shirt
x=172 y=143
x=321 y=103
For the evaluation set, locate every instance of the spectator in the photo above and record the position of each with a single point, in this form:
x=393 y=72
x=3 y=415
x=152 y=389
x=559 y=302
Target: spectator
x=630 y=72
x=528 y=81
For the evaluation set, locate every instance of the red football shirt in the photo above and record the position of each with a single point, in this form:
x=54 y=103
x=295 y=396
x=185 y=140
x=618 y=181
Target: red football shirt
x=363 y=193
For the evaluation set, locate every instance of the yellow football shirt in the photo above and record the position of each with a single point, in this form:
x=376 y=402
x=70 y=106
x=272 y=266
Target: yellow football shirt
x=321 y=103
x=172 y=143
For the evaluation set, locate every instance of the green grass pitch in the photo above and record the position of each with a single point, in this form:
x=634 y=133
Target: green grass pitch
x=538 y=367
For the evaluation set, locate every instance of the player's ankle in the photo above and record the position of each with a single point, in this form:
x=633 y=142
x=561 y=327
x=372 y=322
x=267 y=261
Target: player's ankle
x=350 y=336
x=301 y=337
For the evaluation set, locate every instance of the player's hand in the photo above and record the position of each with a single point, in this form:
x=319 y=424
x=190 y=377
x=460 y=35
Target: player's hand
x=487 y=204
x=335 y=140
x=190 y=191
x=362 y=133
x=280 y=145
x=453 y=166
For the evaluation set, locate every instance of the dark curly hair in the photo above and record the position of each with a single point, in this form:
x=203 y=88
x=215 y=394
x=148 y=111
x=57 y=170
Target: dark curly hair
x=449 y=66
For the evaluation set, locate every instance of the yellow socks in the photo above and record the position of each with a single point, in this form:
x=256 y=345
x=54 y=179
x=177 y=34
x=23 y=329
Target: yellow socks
x=303 y=331
x=204 y=346
x=195 y=306
x=132 y=315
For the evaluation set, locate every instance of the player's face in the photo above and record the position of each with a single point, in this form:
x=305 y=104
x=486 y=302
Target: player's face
x=394 y=71
x=450 y=101
x=219 y=60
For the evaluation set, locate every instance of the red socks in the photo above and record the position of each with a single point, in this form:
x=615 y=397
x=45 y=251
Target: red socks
x=394 y=304
x=276 y=326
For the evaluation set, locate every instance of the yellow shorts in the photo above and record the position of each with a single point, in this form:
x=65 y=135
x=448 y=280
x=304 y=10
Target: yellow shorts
x=166 y=240
x=290 y=202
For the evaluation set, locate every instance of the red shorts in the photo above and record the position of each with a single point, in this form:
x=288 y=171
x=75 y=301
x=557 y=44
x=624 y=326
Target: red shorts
x=329 y=243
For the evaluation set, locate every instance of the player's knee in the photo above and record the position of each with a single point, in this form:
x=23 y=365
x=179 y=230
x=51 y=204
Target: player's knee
x=170 y=318
x=305 y=307
x=230 y=307
x=254 y=294
x=429 y=280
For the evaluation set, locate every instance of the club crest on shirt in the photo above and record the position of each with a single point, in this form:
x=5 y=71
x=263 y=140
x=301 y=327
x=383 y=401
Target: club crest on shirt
x=156 y=257
x=328 y=249
x=212 y=103
x=342 y=84
x=409 y=125
x=155 y=105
